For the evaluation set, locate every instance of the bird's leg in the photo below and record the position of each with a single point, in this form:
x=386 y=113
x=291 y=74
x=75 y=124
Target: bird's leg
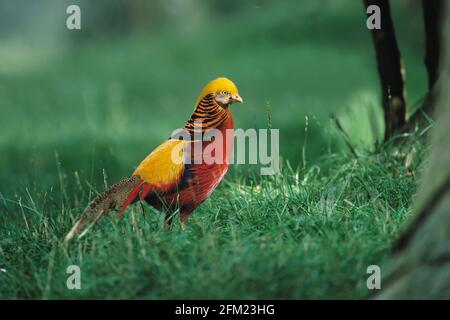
x=168 y=221
x=168 y=224
x=141 y=205
x=184 y=216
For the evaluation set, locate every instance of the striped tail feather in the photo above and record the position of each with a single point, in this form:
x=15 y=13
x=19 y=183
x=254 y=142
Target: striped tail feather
x=121 y=194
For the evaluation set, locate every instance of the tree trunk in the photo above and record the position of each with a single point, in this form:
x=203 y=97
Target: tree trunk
x=420 y=266
x=433 y=12
x=390 y=69
x=432 y=17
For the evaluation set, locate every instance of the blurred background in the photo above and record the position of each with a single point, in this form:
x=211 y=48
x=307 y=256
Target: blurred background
x=93 y=102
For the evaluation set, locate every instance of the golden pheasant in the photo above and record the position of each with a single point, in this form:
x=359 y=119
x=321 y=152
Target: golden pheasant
x=169 y=178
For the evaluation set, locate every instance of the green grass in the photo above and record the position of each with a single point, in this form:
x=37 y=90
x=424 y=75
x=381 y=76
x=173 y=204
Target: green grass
x=79 y=114
x=308 y=234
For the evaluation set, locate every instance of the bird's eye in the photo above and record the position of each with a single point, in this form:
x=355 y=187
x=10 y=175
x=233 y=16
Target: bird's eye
x=224 y=92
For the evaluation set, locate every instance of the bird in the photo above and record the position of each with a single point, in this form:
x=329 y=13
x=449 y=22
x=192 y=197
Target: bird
x=169 y=178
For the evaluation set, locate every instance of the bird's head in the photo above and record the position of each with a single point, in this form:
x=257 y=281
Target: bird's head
x=223 y=90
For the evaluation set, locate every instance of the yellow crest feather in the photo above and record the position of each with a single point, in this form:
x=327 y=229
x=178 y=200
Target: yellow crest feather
x=218 y=84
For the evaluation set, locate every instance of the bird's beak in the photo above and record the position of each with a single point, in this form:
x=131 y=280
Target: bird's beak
x=236 y=98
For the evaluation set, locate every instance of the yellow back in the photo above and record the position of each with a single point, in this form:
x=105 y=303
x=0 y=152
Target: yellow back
x=164 y=166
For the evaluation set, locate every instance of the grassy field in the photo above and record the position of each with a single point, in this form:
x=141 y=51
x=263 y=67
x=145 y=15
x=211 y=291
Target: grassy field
x=301 y=235
x=77 y=115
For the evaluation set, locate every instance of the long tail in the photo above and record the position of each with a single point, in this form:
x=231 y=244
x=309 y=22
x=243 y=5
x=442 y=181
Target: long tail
x=121 y=194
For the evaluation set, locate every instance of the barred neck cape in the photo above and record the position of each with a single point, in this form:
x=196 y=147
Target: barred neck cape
x=207 y=115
